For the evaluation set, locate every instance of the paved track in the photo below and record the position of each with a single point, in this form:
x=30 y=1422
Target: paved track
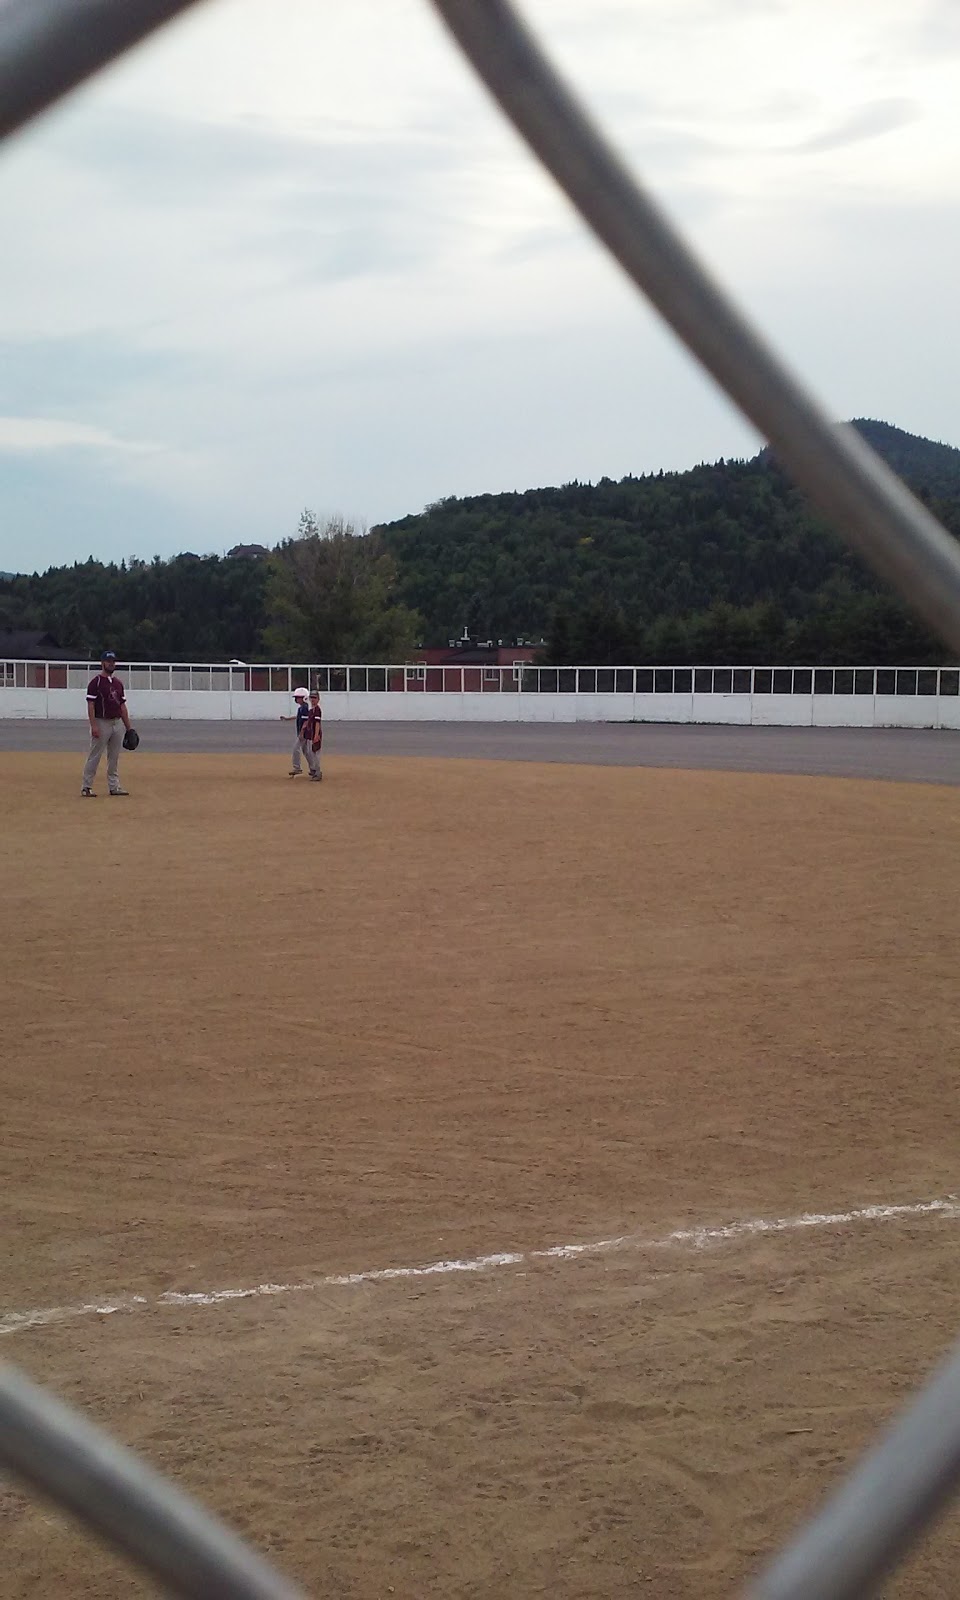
x=911 y=755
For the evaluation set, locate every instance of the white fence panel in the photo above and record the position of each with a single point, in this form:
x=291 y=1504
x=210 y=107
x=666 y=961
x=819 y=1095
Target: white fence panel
x=842 y=710
x=181 y=705
x=948 y=707
x=663 y=708
x=547 y=708
x=782 y=710
x=738 y=696
x=23 y=703
x=907 y=711
x=729 y=708
x=604 y=707
x=490 y=707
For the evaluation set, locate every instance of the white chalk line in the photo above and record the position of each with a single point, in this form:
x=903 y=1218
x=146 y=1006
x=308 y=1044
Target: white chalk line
x=698 y=1237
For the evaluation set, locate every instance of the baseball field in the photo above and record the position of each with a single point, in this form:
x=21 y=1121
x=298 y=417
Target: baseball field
x=478 y=1178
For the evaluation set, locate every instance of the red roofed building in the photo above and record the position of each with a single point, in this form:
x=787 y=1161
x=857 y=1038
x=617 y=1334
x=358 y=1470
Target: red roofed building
x=470 y=665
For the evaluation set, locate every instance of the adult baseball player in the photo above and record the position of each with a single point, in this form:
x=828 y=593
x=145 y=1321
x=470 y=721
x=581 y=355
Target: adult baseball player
x=108 y=716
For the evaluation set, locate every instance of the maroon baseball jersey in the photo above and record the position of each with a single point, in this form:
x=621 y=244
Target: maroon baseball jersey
x=107 y=696
x=313 y=727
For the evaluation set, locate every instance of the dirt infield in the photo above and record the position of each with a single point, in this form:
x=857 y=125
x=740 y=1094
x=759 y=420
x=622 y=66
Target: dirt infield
x=262 y=1033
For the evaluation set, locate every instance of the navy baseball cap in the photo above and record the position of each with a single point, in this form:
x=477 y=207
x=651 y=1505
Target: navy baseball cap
x=109 y=655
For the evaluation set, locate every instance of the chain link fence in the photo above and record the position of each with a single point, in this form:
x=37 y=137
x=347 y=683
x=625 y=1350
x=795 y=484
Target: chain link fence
x=47 y=47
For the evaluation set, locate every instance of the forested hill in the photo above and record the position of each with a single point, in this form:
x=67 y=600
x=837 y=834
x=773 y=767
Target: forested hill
x=721 y=560
x=925 y=464
x=723 y=563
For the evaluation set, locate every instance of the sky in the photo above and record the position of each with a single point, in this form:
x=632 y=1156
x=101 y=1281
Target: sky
x=289 y=254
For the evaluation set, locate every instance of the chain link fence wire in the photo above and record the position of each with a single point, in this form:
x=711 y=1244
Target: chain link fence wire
x=47 y=47
x=865 y=500
x=133 y=1507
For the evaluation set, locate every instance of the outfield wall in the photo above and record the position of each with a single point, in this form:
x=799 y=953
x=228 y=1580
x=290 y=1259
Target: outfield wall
x=744 y=709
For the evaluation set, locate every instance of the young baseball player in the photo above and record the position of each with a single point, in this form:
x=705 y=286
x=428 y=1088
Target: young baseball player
x=312 y=736
x=299 y=717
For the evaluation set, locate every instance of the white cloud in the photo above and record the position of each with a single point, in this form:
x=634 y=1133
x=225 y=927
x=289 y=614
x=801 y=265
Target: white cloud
x=298 y=249
x=27 y=435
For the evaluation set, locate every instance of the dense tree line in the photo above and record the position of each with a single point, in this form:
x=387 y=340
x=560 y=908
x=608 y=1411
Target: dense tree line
x=193 y=608
x=327 y=594
x=724 y=563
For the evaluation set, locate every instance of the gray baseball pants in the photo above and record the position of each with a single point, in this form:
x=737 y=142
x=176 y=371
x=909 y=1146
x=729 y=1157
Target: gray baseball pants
x=111 y=740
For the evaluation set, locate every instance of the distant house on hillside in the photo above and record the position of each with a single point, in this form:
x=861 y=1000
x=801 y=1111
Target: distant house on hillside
x=248 y=552
x=23 y=656
x=474 y=662
x=27 y=645
x=468 y=651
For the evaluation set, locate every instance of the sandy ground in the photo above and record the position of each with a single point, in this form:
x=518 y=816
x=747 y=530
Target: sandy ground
x=259 y=1032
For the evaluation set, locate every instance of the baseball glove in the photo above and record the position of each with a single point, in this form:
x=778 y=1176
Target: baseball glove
x=131 y=739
